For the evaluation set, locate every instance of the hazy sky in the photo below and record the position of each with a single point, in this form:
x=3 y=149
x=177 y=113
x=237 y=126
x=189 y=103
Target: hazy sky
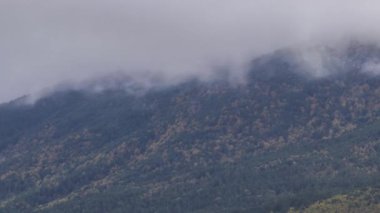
x=46 y=42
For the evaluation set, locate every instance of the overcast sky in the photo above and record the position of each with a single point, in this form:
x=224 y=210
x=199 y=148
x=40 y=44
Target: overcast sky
x=46 y=42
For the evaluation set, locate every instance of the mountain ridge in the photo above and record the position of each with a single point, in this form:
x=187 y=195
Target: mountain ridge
x=280 y=140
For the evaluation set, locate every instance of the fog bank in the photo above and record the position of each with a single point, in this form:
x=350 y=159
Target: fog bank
x=44 y=43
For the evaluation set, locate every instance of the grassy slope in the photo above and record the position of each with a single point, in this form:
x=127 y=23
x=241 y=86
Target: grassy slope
x=367 y=201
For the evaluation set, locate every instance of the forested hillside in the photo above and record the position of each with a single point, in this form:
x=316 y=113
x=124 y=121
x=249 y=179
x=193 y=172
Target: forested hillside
x=281 y=139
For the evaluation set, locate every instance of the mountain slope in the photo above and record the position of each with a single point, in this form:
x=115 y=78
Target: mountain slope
x=281 y=140
x=358 y=201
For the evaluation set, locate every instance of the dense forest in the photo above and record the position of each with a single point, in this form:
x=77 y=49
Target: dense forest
x=282 y=141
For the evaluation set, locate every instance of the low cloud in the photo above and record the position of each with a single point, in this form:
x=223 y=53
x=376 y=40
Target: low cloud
x=44 y=43
x=372 y=68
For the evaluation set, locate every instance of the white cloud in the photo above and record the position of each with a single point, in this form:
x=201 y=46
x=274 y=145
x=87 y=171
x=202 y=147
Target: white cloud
x=45 y=42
